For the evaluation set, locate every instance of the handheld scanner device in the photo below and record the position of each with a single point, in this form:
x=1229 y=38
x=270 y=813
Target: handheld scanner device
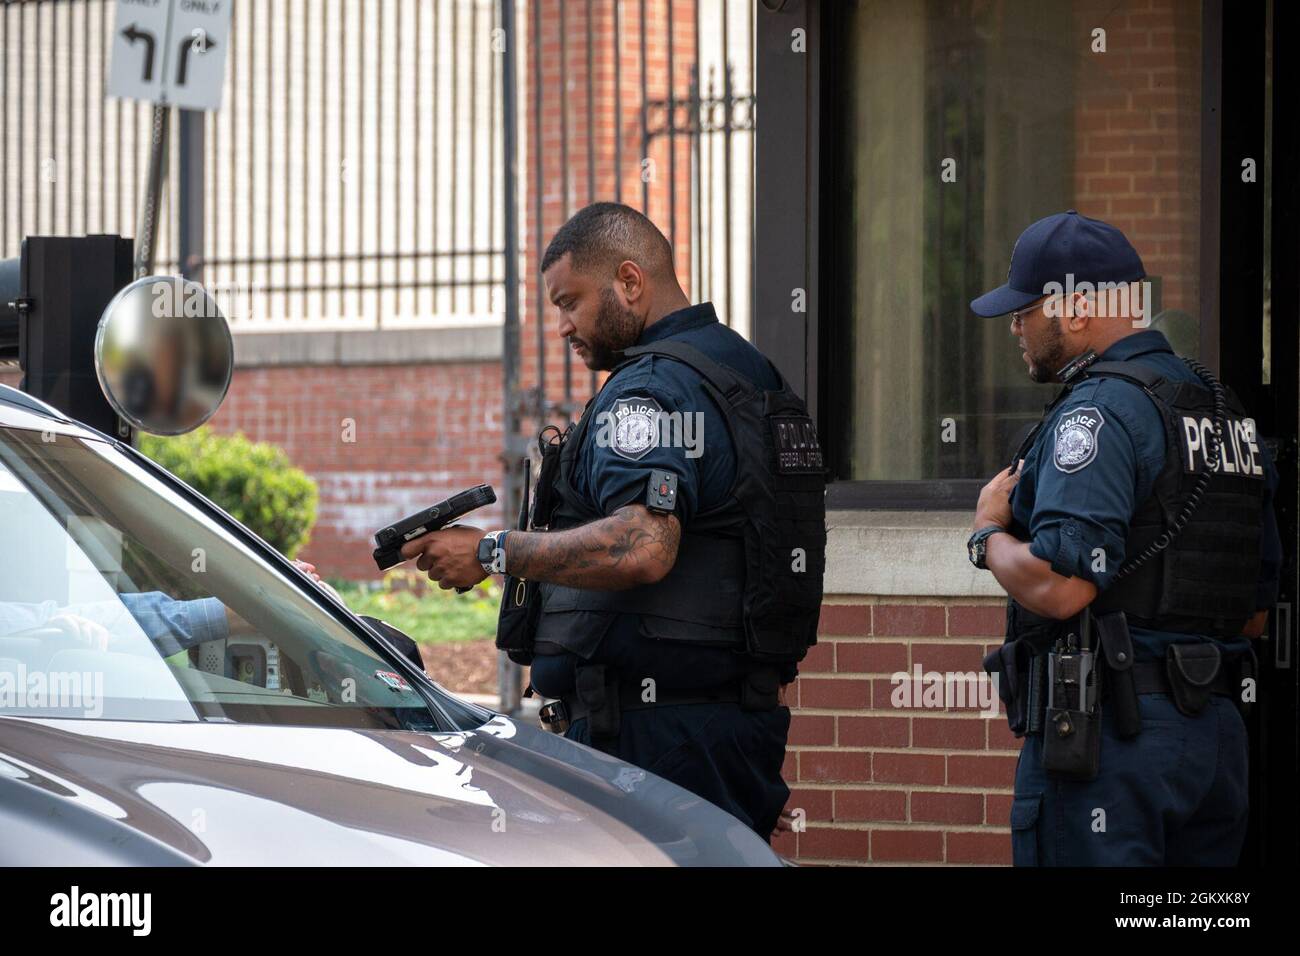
x=389 y=540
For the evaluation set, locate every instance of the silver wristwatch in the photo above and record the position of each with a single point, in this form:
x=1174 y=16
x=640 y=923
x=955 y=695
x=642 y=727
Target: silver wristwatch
x=491 y=552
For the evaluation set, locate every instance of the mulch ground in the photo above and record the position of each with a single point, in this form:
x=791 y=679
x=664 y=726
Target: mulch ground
x=466 y=667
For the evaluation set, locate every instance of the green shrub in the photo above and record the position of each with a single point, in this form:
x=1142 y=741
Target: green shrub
x=424 y=612
x=254 y=481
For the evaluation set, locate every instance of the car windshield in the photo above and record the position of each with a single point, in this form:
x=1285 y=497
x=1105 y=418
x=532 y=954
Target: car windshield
x=121 y=600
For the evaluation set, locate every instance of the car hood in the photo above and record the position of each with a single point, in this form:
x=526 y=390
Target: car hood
x=112 y=792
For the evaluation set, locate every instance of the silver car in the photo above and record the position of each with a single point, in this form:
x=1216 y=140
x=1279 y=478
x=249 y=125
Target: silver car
x=174 y=692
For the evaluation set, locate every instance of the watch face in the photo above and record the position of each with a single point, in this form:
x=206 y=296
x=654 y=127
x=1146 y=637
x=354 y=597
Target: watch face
x=485 y=546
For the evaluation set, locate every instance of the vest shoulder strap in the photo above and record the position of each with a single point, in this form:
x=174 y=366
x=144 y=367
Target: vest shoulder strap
x=1143 y=376
x=730 y=383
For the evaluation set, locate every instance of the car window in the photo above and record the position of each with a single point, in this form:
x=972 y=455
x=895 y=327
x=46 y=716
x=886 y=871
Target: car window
x=122 y=600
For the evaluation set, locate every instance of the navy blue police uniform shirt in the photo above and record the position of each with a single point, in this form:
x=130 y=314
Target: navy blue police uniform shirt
x=1069 y=512
x=615 y=471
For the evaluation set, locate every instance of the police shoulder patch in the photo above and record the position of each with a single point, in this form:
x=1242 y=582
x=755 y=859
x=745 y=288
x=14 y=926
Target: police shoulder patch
x=1077 y=434
x=634 y=426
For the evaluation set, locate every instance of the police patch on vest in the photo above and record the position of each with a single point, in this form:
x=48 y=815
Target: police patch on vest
x=797 y=450
x=1240 y=454
x=635 y=423
x=1076 y=438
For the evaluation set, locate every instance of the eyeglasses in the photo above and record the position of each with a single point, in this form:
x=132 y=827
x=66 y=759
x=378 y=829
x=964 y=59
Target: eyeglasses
x=1018 y=316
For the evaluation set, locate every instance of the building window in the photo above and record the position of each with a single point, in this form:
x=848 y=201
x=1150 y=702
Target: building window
x=954 y=124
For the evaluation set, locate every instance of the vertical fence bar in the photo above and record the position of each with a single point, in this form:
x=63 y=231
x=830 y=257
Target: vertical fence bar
x=435 y=266
x=566 y=199
x=344 y=172
x=591 y=137
x=455 y=153
x=645 y=131
x=362 y=166
x=727 y=91
x=508 y=675
x=36 y=140
x=50 y=170
x=418 y=268
x=378 y=140
x=305 y=135
x=5 y=251
x=672 y=136
x=618 y=101
x=538 y=225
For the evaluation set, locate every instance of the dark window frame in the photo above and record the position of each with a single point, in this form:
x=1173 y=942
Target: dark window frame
x=794 y=178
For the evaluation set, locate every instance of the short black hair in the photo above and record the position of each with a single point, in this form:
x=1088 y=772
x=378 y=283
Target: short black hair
x=604 y=234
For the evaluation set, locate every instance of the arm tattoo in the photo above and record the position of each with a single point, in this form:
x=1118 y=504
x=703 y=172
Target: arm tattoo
x=630 y=547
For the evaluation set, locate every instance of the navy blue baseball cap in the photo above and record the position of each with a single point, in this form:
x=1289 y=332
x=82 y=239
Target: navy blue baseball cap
x=1054 y=248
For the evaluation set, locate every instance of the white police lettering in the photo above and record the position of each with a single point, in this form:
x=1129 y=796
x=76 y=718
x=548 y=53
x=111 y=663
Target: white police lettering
x=1077 y=438
x=1240 y=454
x=636 y=426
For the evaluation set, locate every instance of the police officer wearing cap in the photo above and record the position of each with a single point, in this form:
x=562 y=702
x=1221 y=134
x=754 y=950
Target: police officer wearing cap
x=672 y=576
x=1134 y=534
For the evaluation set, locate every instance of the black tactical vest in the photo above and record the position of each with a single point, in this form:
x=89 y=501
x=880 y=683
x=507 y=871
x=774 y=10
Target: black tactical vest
x=748 y=573
x=1188 y=569
x=1205 y=578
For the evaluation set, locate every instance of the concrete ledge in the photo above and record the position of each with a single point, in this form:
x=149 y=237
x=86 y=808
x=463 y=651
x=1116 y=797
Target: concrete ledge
x=912 y=553
x=371 y=347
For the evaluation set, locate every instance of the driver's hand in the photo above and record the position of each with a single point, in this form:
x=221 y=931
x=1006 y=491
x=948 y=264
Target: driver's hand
x=307 y=569
x=82 y=631
x=310 y=571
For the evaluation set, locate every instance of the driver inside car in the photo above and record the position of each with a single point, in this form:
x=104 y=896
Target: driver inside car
x=172 y=625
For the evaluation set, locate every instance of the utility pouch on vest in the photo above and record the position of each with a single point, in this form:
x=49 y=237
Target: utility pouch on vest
x=1117 y=646
x=1072 y=724
x=760 y=689
x=550 y=443
x=597 y=688
x=1192 y=669
x=521 y=601
x=521 y=605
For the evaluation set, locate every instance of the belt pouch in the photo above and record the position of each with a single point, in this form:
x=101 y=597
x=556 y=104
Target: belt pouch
x=1192 y=669
x=1005 y=664
x=1072 y=735
x=1117 y=645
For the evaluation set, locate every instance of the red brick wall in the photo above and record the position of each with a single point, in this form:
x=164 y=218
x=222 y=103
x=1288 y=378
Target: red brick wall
x=422 y=432
x=1138 y=129
x=881 y=784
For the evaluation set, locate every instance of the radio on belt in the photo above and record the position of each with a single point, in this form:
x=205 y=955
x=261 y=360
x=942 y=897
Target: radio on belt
x=661 y=491
x=391 y=539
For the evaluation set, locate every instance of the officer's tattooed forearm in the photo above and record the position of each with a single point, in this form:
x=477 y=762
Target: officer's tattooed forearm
x=630 y=547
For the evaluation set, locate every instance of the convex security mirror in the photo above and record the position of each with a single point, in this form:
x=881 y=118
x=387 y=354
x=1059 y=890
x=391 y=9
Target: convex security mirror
x=164 y=355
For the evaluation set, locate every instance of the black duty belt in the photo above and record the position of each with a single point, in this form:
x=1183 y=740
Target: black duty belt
x=1152 y=677
x=630 y=699
x=1149 y=677
x=601 y=695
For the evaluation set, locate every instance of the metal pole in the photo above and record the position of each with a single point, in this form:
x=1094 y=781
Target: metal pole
x=146 y=241
x=509 y=674
x=190 y=188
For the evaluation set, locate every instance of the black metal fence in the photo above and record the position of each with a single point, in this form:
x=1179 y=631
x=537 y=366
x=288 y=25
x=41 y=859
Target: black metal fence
x=351 y=177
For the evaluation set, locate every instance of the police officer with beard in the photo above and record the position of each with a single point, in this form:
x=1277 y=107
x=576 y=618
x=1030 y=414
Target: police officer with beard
x=672 y=576
x=1134 y=534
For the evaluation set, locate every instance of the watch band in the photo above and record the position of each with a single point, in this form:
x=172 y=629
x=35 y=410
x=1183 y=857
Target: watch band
x=978 y=543
x=498 y=547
